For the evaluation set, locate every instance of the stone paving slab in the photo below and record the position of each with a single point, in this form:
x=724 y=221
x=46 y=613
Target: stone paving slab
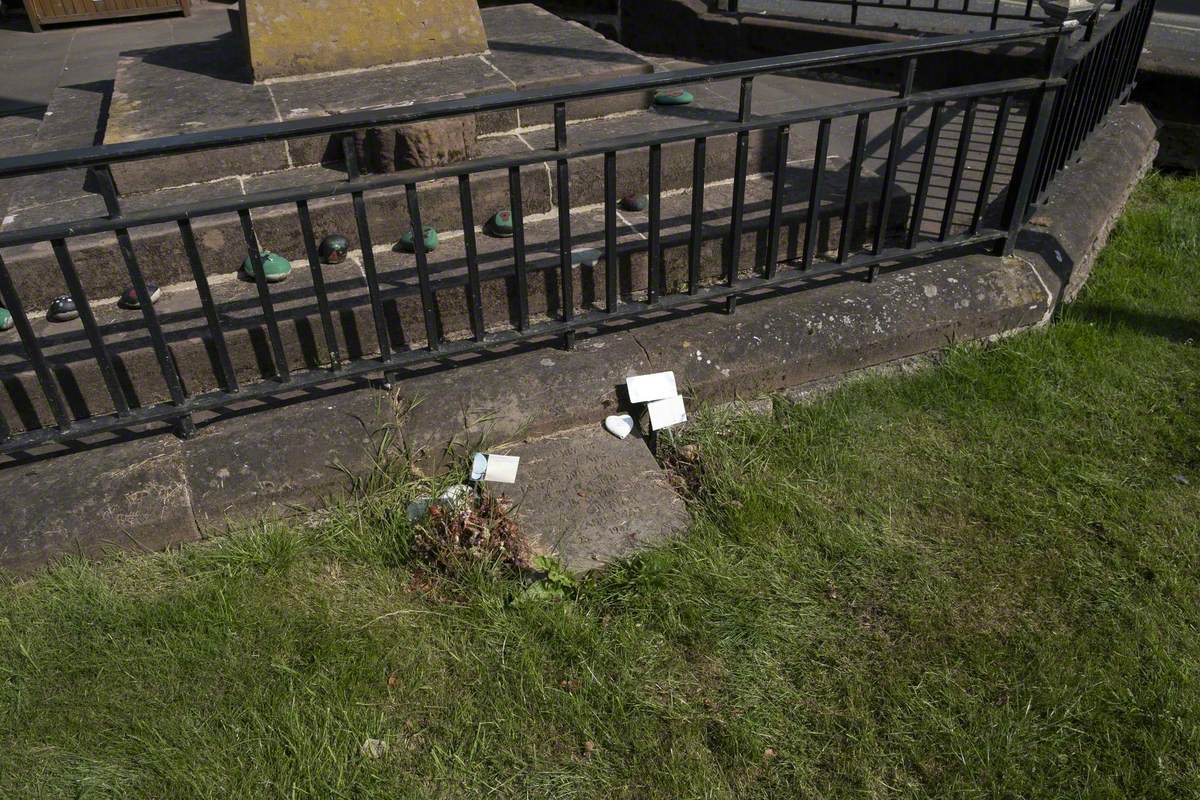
x=239 y=467
x=134 y=496
x=590 y=498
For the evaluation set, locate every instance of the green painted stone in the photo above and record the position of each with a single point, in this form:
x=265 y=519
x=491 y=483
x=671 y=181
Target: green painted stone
x=429 y=237
x=635 y=202
x=333 y=249
x=501 y=224
x=6 y=319
x=673 y=97
x=276 y=268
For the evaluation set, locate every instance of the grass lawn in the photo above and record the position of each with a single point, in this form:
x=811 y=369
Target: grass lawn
x=979 y=580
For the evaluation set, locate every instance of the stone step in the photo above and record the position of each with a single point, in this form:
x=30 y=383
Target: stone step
x=353 y=327
x=529 y=48
x=162 y=258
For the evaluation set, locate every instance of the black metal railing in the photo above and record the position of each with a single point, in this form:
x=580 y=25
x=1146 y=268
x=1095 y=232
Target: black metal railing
x=1100 y=72
x=992 y=10
x=931 y=226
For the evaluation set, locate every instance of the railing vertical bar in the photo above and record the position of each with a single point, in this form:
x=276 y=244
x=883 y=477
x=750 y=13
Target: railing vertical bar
x=566 y=268
x=1093 y=104
x=318 y=276
x=1141 y=28
x=1032 y=150
x=1047 y=166
x=995 y=21
x=475 y=298
x=25 y=332
x=264 y=297
x=428 y=299
x=778 y=182
x=813 y=218
x=655 y=277
x=1123 y=34
x=1091 y=94
x=1128 y=51
x=993 y=159
x=166 y=362
x=699 y=154
x=893 y=159
x=960 y=165
x=99 y=351
x=228 y=375
x=518 y=218
x=740 y=169
x=739 y=207
x=849 y=210
x=932 y=136
x=368 y=253
x=611 y=259
x=1066 y=107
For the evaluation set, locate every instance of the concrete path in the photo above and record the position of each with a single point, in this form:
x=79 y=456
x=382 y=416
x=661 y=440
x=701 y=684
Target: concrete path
x=33 y=65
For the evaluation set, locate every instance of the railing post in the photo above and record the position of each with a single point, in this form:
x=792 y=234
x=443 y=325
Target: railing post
x=1068 y=13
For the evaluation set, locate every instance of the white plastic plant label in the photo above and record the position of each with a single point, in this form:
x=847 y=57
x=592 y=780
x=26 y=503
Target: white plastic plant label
x=494 y=468
x=665 y=413
x=648 y=388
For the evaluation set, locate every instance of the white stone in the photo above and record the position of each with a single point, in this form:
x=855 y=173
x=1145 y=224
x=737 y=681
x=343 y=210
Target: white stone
x=457 y=496
x=586 y=256
x=619 y=425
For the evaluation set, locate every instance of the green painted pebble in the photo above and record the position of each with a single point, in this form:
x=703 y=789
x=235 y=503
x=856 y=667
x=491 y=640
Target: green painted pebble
x=501 y=224
x=429 y=237
x=673 y=97
x=276 y=268
x=635 y=202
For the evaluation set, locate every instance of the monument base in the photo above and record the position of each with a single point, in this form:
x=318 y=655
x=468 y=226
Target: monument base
x=159 y=92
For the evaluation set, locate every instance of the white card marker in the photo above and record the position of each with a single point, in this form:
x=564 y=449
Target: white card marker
x=648 y=388
x=668 y=412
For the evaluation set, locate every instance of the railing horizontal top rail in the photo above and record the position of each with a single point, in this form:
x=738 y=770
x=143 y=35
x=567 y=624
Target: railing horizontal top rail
x=339 y=123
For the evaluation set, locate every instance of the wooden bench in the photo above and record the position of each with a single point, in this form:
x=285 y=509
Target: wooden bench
x=44 y=12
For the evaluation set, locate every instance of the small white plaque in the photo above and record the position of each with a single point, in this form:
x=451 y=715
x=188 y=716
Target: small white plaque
x=648 y=388
x=668 y=412
x=494 y=468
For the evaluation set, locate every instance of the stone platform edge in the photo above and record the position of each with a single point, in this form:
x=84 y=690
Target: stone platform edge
x=156 y=491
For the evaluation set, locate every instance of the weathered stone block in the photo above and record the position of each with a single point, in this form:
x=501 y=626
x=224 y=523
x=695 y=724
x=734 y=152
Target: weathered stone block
x=302 y=37
x=420 y=144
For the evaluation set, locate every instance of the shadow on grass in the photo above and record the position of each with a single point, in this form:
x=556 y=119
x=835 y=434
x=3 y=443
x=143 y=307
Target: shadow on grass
x=1177 y=329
